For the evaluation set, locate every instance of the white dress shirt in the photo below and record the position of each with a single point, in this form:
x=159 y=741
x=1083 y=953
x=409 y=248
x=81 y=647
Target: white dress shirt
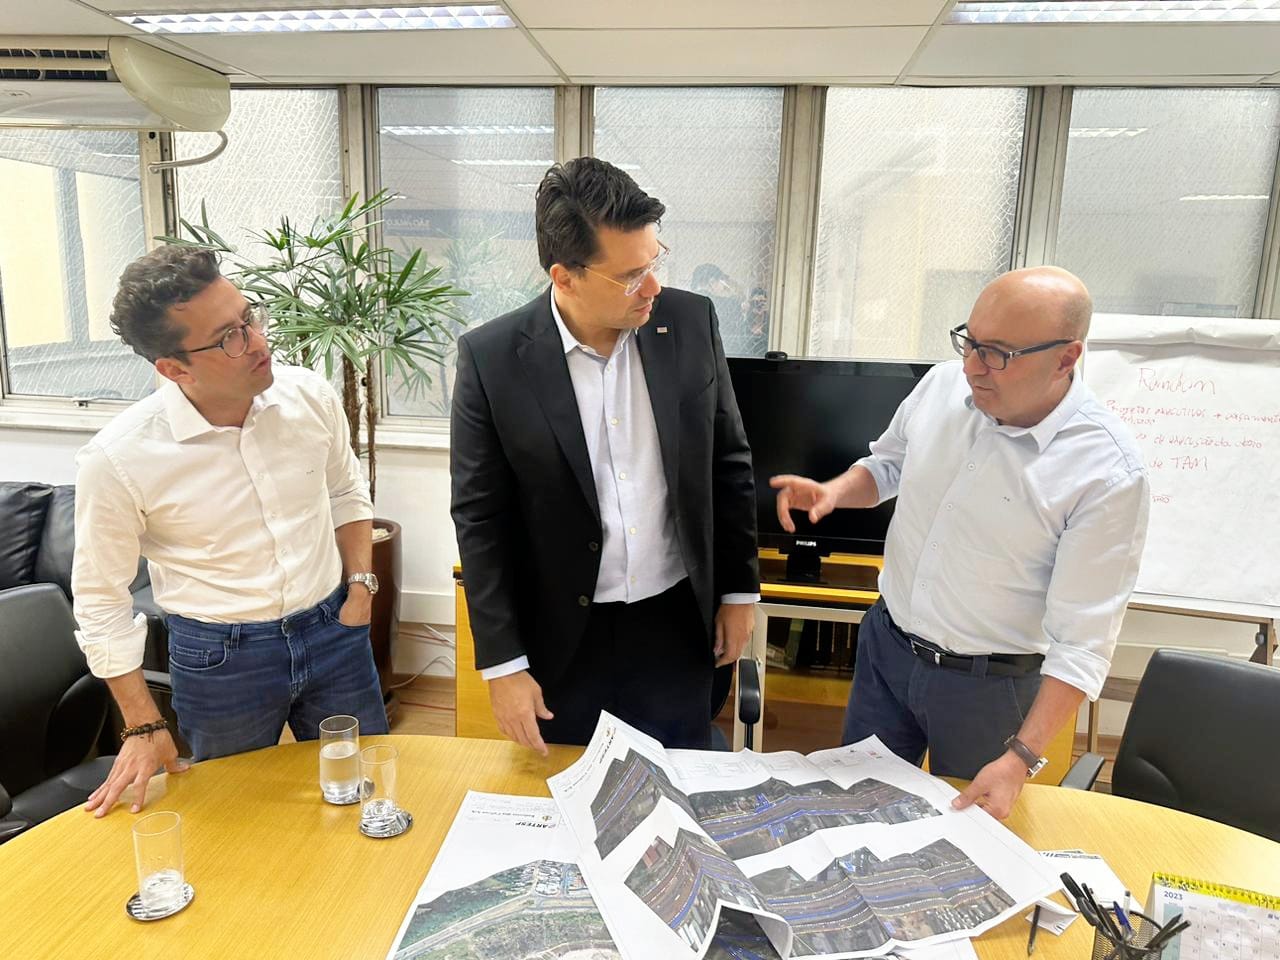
x=1011 y=539
x=237 y=523
x=639 y=552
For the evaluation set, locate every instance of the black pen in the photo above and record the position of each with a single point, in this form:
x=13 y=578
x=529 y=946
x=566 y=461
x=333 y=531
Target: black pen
x=1035 y=925
x=1168 y=933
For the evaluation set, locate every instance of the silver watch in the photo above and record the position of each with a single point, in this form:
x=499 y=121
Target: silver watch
x=368 y=579
x=1026 y=755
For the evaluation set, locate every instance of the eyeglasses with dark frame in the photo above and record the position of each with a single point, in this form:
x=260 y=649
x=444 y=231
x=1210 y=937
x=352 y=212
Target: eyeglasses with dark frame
x=235 y=341
x=633 y=285
x=992 y=357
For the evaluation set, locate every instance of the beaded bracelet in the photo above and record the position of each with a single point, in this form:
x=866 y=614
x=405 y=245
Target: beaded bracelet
x=143 y=728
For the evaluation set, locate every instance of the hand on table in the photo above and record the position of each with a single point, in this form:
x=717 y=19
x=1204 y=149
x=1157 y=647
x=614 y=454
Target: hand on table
x=996 y=786
x=137 y=762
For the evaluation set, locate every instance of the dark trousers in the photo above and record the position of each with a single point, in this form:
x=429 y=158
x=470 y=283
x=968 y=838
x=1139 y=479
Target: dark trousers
x=648 y=663
x=963 y=719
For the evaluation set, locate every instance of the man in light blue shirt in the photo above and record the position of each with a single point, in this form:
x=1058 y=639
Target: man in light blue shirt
x=1014 y=546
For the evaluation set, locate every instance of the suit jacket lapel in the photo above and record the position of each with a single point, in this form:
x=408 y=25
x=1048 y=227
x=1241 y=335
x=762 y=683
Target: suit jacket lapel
x=662 y=375
x=542 y=355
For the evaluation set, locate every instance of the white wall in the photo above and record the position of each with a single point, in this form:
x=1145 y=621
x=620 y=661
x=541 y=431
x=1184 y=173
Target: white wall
x=413 y=489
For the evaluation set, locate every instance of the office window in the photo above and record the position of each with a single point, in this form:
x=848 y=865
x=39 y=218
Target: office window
x=711 y=155
x=916 y=214
x=70 y=220
x=283 y=158
x=1164 y=200
x=466 y=162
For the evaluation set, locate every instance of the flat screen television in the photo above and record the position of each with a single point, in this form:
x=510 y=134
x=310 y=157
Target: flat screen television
x=815 y=418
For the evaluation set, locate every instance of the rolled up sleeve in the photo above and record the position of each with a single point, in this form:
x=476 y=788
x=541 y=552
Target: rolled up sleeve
x=109 y=525
x=1094 y=572
x=348 y=490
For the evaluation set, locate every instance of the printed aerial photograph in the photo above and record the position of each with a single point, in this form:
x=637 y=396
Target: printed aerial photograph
x=681 y=883
x=539 y=911
x=774 y=813
x=859 y=902
x=630 y=791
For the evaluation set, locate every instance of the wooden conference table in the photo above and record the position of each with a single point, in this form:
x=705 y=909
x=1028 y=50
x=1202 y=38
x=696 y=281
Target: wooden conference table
x=278 y=873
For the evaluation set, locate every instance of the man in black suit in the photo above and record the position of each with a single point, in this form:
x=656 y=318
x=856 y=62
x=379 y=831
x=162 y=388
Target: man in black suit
x=602 y=484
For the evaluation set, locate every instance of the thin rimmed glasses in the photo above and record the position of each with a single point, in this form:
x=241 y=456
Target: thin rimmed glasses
x=235 y=341
x=631 y=286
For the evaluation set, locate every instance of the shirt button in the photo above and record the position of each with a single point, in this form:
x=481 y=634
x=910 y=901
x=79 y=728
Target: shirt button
x=633 y=531
x=951 y=506
x=973 y=466
x=584 y=601
x=923 y=585
x=622 y=475
x=934 y=545
x=593 y=546
x=614 y=421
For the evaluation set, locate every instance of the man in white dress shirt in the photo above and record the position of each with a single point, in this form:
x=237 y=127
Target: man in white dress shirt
x=237 y=482
x=1014 y=546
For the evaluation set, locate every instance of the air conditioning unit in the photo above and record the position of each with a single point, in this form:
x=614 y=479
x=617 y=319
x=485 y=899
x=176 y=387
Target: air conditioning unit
x=107 y=83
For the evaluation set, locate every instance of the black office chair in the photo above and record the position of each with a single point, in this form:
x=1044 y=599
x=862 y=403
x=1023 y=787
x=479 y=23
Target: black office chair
x=51 y=710
x=1201 y=738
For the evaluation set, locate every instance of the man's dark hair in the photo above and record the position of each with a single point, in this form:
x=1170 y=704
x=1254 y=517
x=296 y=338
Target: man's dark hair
x=575 y=198
x=149 y=286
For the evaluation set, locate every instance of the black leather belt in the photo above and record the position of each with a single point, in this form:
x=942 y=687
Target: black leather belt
x=998 y=664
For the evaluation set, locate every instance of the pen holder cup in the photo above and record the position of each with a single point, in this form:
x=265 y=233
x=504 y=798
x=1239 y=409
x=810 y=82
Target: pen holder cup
x=1105 y=948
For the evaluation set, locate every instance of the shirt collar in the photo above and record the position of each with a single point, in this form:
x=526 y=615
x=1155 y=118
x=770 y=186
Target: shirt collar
x=567 y=339
x=1044 y=431
x=186 y=422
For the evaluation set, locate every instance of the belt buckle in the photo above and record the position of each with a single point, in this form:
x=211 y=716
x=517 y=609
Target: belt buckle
x=916 y=646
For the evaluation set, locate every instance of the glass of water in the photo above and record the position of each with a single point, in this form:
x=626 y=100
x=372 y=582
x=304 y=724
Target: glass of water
x=380 y=815
x=340 y=759
x=157 y=849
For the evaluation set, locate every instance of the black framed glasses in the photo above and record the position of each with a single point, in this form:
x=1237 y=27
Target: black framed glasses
x=235 y=341
x=994 y=358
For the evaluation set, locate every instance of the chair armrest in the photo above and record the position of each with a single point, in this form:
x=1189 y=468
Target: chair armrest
x=158 y=682
x=1084 y=772
x=748 y=691
x=11 y=828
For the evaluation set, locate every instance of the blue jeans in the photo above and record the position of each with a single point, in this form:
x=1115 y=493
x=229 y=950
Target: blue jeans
x=236 y=685
x=963 y=719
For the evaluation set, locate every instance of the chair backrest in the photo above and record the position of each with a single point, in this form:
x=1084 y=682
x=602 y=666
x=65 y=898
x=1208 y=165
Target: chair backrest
x=22 y=513
x=1201 y=738
x=51 y=708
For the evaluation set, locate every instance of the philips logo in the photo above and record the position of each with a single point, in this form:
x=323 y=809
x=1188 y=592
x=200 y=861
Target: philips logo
x=806 y=543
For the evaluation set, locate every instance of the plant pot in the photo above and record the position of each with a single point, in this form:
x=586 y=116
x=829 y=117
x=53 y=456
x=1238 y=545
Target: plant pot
x=385 y=624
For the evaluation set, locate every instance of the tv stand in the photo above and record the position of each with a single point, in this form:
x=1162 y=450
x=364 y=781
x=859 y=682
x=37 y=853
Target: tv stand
x=804 y=564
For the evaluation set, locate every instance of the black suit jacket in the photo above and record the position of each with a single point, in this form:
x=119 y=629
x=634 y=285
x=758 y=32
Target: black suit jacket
x=524 y=501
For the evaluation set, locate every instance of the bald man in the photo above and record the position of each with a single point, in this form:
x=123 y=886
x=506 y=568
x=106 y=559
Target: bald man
x=1021 y=515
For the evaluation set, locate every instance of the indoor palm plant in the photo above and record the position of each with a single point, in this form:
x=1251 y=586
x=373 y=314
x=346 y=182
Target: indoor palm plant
x=348 y=306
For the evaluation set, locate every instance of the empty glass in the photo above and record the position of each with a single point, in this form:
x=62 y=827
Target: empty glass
x=380 y=815
x=157 y=849
x=340 y=759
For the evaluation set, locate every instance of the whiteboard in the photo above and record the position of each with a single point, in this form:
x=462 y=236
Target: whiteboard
x=1202 y=397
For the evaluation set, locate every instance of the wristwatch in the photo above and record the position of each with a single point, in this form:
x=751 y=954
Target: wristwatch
x=368 y=579
x=1026 y=755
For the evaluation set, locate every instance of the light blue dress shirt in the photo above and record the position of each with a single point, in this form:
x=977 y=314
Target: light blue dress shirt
x=1011 y=539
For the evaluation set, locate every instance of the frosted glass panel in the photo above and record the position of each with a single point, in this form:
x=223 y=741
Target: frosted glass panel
x=916 y=215
x=1164 y=202
x=711 y=155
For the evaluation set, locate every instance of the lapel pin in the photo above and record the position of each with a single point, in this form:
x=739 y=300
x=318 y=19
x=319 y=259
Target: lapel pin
x=662 y=329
